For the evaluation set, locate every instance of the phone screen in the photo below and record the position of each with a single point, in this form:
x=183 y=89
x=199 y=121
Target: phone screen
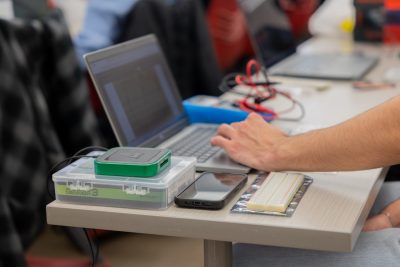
x=210 y=190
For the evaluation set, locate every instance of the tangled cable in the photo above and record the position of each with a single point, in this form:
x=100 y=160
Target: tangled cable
x=261 y=90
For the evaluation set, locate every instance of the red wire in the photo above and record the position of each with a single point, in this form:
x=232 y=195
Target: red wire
x=249 y=66
x=239 y=79
x=268 y=93
x=255 y=107
x=243 y=107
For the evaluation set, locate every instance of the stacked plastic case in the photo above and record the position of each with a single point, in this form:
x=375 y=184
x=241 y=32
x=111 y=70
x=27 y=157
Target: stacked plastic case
x=77 y=183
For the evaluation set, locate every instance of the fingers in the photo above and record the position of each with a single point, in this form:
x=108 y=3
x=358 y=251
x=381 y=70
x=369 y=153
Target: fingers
x=220 y=141
x=254 y=117
x=255 y=121
x=378 y=222
x=230 y=131
x=236 y=125
x=226 y=131
x=223 y=139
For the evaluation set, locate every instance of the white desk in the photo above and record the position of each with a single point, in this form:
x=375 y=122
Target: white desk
x=329 y=217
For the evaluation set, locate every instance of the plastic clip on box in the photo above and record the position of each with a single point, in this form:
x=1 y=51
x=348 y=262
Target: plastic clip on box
x=78 y=183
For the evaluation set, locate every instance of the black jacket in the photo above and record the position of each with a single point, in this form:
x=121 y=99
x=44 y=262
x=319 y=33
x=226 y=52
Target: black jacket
x=182 y=31
x=45 y=113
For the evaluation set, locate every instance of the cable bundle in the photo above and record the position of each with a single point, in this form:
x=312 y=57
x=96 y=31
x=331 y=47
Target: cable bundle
x=261 y=90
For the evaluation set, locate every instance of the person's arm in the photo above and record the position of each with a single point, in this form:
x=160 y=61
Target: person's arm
x=388 y=218
x=369 y=140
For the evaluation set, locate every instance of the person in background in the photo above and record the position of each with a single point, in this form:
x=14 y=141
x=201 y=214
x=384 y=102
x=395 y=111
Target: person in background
x=299 y=13
x=102 y=25
x=230 y=35
x=369 y=140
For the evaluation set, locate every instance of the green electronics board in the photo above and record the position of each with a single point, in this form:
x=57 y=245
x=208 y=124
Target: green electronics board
x=133 y=161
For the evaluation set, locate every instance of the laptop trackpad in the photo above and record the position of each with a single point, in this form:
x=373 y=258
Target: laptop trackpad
x=221 y=162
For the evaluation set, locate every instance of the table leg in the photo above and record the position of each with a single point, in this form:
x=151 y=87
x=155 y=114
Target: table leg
x=217 y=253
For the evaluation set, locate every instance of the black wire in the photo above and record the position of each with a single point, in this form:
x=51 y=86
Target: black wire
x=264 y=72
x=229 y=82
x=89 y=149
x=302 y=114
x=96 y=246
x=93 y=246
x=92 y=254
x=68 y=161
x=59 y=166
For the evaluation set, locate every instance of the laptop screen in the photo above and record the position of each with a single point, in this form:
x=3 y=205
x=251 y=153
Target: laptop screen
x=138 y=92
x=270 y=30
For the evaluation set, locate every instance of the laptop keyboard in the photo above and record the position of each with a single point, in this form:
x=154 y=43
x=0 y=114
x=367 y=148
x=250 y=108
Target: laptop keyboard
x=196 y=144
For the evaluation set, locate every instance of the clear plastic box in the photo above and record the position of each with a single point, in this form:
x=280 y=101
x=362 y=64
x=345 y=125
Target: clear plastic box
x=77 y=183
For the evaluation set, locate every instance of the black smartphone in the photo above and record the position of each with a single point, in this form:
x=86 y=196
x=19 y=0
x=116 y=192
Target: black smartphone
x=211 y=190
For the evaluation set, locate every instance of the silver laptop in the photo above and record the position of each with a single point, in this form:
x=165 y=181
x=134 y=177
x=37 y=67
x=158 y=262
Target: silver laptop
x=143 y=105
x=273 y=40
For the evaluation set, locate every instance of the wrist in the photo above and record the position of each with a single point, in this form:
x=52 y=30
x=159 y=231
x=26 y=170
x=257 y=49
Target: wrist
x=280 y=156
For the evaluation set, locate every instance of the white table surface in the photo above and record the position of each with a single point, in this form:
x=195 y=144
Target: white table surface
x=329 y=217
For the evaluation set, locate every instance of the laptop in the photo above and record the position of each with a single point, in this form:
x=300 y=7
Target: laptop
x=144 y=107
x=275 y=45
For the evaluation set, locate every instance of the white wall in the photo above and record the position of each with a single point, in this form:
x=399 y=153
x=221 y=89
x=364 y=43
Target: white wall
x=74 y=11
x=328 y=18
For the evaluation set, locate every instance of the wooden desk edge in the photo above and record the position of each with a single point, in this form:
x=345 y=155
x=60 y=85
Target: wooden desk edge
x=72 y=215
x=368 y=205
x=149 y=222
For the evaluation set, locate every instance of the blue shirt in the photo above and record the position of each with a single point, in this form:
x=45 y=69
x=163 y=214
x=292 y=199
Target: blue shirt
x=102 y=25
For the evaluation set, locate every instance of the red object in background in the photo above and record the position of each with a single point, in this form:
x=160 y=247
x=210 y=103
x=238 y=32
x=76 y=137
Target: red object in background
x=228 y=32
x=96 y=233
x=51 y=4
x=391 y=28
x=391 y=34
x=392 y=4
x=299 y=13
x=367 y=2
x=56 y=262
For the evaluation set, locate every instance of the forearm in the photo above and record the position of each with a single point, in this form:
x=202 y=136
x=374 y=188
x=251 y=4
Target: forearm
x=369 y=140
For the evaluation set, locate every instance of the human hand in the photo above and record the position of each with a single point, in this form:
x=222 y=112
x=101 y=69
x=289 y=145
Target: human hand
x=389 y=217
x=250 y=142
x=377 y=222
